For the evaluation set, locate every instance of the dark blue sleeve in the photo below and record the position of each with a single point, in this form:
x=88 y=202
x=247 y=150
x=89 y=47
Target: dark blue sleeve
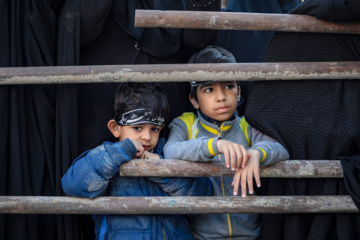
x=90 y=173
x=200 y=186
x=181 y=186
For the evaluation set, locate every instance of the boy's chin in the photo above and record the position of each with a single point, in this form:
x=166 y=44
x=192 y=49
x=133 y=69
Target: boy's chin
x=223 y=117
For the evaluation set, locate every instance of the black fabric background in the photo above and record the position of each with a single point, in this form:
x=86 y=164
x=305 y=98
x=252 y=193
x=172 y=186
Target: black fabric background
x=351 y=166
x=45 y=127
x=247 y=46
x=313 y=119
x=38 y=122
x=115 y=45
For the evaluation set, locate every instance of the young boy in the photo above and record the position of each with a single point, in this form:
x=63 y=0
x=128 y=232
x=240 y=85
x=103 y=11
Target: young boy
x=140 y=110
x=216 y=133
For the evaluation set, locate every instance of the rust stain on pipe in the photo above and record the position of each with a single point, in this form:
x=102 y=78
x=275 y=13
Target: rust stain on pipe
x=181 y=72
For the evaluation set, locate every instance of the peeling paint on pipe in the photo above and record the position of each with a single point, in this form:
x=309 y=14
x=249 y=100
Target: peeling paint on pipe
x=181 y=73
x=182 y=168
x=241 y=21
x=176 y=205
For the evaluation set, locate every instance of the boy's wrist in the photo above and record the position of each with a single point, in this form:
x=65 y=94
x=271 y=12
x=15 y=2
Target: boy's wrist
x=121 y=151
x=258 y=152
x=212 y=146
x=126 y=146
x=216 y=140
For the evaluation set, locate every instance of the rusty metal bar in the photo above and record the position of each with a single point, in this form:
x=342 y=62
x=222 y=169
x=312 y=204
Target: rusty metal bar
x=181 y=168
x=176 y=205
x=181 y=72
x=241 y=21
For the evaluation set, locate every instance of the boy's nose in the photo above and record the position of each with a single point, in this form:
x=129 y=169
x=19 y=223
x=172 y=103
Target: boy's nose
x=220 y=95
x=146 y=135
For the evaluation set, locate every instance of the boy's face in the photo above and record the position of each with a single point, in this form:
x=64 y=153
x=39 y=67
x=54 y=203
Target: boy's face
x=217 y=100
x=147 y=134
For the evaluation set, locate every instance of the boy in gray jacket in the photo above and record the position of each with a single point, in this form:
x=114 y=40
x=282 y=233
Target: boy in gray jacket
x=217 y=133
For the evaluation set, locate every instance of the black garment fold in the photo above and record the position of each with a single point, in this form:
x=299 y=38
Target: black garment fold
x=314 y=120
x=351 y=168
x=115 y=40
x=39 y=122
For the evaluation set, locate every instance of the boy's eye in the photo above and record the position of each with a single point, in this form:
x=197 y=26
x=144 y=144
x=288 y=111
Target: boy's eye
x=154 y=129
x=229 y=86
x=137 y=128
x=207 y=90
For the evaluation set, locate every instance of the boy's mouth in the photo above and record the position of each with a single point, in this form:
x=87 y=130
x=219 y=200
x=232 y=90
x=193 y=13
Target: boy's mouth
x=222 y=109
x=146 y=147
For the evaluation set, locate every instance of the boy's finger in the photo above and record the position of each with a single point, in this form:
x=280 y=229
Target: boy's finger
x=238 y=156
x=138 y=146
x=226 y=156
x=232 y=158
x=245 y=157
x=257 y=178
x=139 y=155
x=236 y=183
x=243 y=184
x=250 y=183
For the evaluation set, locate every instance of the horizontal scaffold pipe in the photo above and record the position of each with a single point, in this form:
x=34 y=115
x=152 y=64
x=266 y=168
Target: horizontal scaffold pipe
x=181 y=72
x=241 y=21
x=181 y=168
x=176 y=205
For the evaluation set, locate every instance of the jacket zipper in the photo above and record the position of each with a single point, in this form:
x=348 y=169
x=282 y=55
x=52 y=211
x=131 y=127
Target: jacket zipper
x=222 y=185
x=154 y=192
x=159 y=218
x=107 y=231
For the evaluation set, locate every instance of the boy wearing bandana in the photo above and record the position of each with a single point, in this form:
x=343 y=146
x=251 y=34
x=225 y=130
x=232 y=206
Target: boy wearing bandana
x=217 y=133
x=140 y=110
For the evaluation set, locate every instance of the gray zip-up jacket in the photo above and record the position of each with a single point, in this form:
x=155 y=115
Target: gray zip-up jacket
x=193 y=138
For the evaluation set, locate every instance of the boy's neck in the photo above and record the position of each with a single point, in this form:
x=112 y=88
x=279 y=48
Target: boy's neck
x=211 y=120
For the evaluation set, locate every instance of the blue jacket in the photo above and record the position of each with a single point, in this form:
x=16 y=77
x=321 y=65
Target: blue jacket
x=96 y=173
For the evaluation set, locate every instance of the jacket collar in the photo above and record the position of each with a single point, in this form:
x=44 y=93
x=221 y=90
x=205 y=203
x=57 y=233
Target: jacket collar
x=211 y=120
x=214 y=126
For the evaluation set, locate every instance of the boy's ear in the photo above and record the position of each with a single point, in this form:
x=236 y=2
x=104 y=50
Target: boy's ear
x=194 y=102
x=114 y=128
x=239 y=94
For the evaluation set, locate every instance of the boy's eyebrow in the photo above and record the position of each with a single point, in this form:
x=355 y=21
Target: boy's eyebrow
x=227 y=82
x=212 y=83
x=207 y=85
x=142 y=124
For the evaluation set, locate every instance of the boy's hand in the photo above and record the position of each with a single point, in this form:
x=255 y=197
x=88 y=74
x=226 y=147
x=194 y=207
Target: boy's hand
x=246 y=175
x=139 y=148
x=149 y=155
x=235 y=154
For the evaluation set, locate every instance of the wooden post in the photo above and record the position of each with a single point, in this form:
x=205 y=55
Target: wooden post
x=180 y=168
x=181 y=72
x=241 y=21
x=176 y=205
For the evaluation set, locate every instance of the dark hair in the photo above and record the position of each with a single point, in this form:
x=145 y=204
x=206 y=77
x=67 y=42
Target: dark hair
x=130 y=96
x=210 y=54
